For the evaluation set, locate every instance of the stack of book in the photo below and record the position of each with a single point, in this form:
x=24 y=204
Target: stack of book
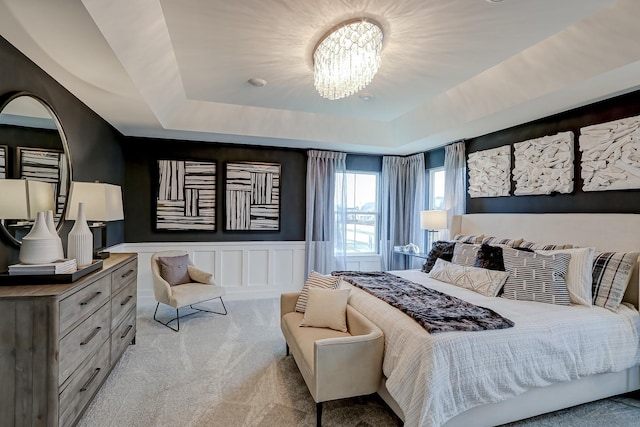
x=63 y=266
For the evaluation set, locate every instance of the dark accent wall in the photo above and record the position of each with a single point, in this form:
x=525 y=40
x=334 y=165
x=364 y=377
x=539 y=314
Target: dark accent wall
x=617 y=201
x=142 y=154
x=96 y=152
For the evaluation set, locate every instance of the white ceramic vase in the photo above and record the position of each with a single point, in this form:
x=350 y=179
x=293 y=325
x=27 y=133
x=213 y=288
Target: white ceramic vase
x=39 y=246
x=52 y=229
x=80 y=240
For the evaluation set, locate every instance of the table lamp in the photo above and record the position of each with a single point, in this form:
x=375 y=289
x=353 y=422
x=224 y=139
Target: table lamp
x=433 y=221
x=102 y=203
x=24 y=198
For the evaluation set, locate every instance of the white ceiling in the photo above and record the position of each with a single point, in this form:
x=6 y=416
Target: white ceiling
x=451 y=69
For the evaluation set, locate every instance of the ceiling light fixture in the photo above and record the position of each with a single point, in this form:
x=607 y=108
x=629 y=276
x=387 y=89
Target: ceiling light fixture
x=346 y=58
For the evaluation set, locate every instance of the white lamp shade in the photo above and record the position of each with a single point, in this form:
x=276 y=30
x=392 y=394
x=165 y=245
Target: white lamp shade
x=433 y=220
x=23 y=199
x=102 y=202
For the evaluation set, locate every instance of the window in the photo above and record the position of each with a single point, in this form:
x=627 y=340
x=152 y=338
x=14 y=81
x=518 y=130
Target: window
x=436 y=189
x=362 y=213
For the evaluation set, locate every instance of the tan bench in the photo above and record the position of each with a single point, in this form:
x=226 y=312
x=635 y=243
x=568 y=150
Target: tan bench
x=334 y=364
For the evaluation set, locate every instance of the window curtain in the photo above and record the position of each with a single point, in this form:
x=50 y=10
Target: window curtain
x=325 y=237
x=402 y=199
x=455 y=180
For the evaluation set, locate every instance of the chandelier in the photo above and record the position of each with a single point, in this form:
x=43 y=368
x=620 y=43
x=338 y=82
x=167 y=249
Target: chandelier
x=346 y=58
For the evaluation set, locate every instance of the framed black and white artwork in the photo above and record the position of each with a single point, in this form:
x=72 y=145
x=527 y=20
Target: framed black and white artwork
x=4 y=153
x=46 y=165
x=252 y=196
x=186 y=197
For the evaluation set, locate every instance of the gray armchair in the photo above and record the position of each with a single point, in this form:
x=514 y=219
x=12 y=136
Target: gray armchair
x=187 y=294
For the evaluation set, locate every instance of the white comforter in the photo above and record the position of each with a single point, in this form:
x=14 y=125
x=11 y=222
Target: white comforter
x=435 y=377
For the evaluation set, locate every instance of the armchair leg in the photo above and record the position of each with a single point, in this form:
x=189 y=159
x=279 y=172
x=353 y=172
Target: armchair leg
x=319 y=414
x=287 y=346
x=177 y=318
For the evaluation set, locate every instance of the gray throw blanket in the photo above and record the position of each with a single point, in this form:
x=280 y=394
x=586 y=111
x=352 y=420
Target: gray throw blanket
x=433 y=310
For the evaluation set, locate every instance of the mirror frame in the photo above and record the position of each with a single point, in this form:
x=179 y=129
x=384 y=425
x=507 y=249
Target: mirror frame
x=5 y=100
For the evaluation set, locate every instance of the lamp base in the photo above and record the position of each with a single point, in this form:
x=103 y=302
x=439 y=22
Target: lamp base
x=100 y=254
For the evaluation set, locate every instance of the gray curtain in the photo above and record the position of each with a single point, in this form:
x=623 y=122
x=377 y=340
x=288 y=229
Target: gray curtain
x=326 y=212
x=402 y=197
x=455 y=181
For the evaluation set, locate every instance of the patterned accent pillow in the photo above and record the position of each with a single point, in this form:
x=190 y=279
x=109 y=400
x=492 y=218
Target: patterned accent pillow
x=579 y=274
x=611 y=273
x=316 y=280
x=465 y=254
x=536 y=277
x=513 y=243
x=543 y=246
x=480 y=280
x=490 y=257
x=469 y=238
x=439 y=249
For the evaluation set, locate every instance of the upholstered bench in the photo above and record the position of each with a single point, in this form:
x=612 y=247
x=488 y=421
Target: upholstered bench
x=334 y=364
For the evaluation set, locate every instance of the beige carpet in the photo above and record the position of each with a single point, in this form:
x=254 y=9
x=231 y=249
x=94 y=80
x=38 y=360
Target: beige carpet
x=232 y=371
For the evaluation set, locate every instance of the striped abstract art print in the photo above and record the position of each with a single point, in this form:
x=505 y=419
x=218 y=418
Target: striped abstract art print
x=186 y=195
x=3 y=161
x=46 y=165
x=253 y=196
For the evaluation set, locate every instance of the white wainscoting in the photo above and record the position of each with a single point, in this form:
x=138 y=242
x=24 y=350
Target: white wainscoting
x=247 y=270
x=364 y=263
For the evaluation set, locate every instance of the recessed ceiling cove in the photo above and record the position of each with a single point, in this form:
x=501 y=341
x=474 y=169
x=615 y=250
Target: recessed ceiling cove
x=449 y=70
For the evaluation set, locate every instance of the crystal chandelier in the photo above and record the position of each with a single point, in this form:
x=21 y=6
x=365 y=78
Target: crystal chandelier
x=346 y=58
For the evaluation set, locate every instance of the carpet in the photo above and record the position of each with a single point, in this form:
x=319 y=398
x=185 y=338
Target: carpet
x=232 y=371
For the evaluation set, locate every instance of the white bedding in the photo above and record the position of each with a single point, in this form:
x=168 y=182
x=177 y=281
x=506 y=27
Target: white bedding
x=435 y=377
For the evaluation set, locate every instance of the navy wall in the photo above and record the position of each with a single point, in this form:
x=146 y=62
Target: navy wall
x=95 y=146
x=619 y=201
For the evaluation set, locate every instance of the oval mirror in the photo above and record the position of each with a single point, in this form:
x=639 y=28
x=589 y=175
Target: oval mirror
x=33 y=147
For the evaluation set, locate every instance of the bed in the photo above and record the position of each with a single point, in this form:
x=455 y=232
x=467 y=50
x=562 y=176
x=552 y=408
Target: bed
x=554 y=357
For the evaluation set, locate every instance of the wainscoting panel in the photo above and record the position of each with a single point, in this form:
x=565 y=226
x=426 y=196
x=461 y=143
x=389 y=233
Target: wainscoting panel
x=247 y=270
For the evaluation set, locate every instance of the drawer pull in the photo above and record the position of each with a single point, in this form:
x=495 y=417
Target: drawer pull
x=86 y=385
x=91 y=336
x=127 y=274
x=126 y=301
x=126 y=332
x=88 y=300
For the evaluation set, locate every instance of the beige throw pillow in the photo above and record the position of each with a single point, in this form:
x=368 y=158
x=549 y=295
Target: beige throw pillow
x=327 y=308
x=198 y=275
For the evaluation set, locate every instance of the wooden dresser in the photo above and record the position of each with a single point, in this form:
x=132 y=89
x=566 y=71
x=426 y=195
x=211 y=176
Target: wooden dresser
x=59 y=342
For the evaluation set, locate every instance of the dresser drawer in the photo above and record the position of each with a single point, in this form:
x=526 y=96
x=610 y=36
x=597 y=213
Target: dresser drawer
x=122 y=335
x=83 y=340
x=124 y=275
x=122 y=302
x=82 y=385
x=78 y=306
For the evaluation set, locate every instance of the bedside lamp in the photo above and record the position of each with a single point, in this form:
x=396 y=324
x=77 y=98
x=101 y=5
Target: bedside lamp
x=433 y=221
x=102 y=203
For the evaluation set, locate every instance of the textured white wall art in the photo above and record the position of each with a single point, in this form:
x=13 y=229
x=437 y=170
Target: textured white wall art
x=544 y=165
x=611 y=155
x=489 y=172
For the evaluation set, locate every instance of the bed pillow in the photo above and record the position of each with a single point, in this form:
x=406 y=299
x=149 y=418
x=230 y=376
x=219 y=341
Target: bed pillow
x=319 y=281
x=611 y=273
x=543 y=246
x=480 y=280
x=439 y=249
x=465 y=254
x=536 y=277
x=469 y=238
x=513 y=243
x=579 y=276
x=173 y=269
x=489 y=257
x=327 y=308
